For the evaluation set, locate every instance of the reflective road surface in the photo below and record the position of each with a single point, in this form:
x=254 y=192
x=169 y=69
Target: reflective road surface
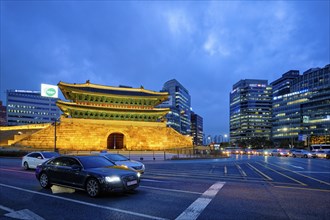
x=239 y=187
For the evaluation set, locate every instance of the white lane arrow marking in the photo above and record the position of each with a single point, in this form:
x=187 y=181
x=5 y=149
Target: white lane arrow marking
x=22 y=214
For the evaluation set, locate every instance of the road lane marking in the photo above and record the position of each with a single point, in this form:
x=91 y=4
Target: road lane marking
x=151 y=180
x=297 y=181
x=6 y=209
x=84 y=203
x=320 y=181
x=261 y=173
x=296 y=167
x=311 y=189
x=197 y=207
x=18 y=171
x=321 y=172
x=241 y=170
x=292 y=165
x=171 y=190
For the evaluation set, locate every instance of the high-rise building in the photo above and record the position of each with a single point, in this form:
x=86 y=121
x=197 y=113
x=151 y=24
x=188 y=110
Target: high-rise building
x=197 y=129
x=250 y=110
x=29 y=107
x=282 y=85
x=303 y=111
x=3 y=118
x=180 y=103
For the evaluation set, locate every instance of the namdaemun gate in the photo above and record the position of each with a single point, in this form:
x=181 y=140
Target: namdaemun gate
x=98 y=117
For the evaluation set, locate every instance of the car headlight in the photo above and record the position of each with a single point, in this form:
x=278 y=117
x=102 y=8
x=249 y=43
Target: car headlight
x=138 y=174
x=112 y=179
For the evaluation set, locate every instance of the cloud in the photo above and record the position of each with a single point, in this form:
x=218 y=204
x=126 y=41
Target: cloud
x=179 y=22
x=213 y=46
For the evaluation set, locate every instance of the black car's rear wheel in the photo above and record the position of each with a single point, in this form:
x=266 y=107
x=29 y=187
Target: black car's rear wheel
x=44 y=181
x=93 y=187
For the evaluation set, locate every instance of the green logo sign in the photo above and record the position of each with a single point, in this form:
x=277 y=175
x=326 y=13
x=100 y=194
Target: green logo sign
x=50 y=92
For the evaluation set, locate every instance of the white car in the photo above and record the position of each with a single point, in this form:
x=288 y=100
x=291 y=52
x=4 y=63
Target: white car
x=302 y=153
x=33 y=159
x=121 y=160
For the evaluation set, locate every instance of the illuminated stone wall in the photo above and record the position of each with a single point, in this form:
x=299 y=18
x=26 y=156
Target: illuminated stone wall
x=89 y=134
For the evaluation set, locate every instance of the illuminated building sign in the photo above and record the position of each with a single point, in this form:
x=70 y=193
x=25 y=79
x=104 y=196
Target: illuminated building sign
x=49 y=91
x=257 y=85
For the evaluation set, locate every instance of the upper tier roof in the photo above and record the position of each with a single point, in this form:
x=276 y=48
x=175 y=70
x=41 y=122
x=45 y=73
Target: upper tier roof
x=109 y=90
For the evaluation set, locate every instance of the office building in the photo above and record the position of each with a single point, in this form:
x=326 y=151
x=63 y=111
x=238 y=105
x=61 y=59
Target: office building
x=302 y=113
x=179 y=103
x=29 y=107
x=3 y=118
x=250 y=110
x=197 y=129
x=282 y=85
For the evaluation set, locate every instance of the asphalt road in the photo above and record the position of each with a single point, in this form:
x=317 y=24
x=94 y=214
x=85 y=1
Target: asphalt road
x=240 y=187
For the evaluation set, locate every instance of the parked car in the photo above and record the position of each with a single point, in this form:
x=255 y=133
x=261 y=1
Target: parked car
x=258 y=152
x=322 y=154
x=283 y=153
x=302 y=153
x=269 y=152
x=327 y=154
x=94 y=174
x=33 y=159
x=121 y=160
x=248 y=152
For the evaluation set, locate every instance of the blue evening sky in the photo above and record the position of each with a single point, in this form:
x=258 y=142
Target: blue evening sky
x=206 y=45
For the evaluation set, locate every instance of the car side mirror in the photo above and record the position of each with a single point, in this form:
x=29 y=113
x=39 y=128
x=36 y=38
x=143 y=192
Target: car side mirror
x=76 y=167
x=39 y=157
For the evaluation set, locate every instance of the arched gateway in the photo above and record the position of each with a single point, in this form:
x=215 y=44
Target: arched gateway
x=115 y=141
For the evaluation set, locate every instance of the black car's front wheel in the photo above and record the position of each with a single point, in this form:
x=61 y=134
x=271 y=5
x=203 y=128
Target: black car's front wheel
x=93 y=187
x=44 y=181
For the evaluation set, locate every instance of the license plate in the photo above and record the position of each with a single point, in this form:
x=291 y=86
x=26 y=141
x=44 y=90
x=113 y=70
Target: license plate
x=131 y=182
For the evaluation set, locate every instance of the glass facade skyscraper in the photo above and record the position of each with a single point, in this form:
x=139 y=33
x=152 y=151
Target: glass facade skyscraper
x=197 y=129
x=304 y=110
x=250 y=110
x=29 y=107
x=180 y=103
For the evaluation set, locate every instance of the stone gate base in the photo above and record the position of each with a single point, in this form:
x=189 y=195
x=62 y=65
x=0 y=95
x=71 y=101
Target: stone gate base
x=88 y=134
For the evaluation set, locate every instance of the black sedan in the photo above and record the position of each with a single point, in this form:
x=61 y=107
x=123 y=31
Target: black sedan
x=94 y=174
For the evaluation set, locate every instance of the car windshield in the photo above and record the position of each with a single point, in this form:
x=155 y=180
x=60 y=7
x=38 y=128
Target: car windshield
x=94 y=162
x=50 y=154
x=116 y=157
